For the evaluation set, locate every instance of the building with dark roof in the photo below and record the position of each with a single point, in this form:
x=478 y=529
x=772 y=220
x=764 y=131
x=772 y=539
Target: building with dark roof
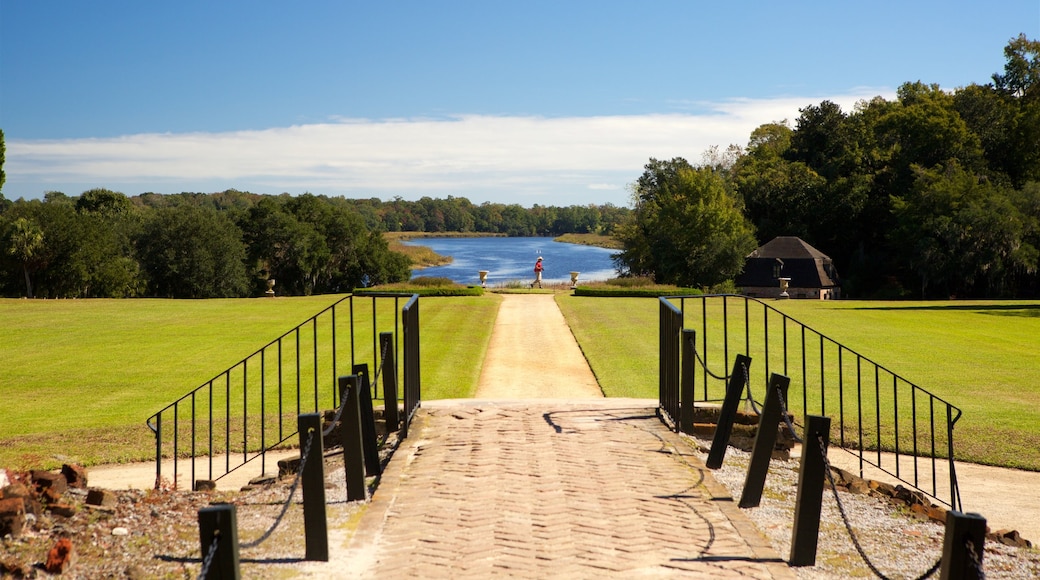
x=808 y=272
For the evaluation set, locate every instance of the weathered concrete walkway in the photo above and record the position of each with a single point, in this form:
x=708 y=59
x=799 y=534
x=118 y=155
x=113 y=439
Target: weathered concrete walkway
x=548 y=488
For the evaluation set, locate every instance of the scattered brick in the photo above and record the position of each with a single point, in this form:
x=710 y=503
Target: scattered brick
x=61 y=557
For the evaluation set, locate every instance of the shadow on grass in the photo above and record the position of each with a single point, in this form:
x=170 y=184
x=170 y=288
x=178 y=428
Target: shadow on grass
x=1026 y=310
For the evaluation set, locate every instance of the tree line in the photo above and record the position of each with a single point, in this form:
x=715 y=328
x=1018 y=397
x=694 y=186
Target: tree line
x=103 y=243
x=935 y=194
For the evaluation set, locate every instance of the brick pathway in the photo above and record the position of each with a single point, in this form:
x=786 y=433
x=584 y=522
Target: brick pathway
x=552 y=489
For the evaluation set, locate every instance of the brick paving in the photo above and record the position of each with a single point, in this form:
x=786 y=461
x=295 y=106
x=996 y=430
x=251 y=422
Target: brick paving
x=552 y=489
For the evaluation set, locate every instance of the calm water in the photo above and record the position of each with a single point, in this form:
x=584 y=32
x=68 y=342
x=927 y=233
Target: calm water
x=509 y=259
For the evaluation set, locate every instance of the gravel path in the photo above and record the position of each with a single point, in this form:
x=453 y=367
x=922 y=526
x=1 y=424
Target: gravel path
x=533 y=355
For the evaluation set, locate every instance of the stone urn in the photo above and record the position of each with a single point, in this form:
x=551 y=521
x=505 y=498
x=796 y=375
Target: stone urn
x=574 y=279
x=270 y=288
x=483 y=278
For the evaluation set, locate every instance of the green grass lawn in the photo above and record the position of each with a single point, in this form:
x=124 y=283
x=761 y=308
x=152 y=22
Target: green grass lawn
x=983 y=357
x=79 y=377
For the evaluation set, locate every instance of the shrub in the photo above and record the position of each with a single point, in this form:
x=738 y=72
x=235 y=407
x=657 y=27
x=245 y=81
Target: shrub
x=637 y=292
x=430 y=281
x=631 y=281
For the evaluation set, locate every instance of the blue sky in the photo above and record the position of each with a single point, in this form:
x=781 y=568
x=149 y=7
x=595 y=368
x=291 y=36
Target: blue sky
x=551 y=103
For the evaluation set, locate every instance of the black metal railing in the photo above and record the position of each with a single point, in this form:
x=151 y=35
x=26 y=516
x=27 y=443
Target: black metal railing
x=244 y=412
x=412 y=381
x=885 y=420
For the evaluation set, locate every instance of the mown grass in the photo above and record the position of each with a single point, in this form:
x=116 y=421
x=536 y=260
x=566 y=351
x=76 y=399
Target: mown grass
x=980 y=356
x=80 y=377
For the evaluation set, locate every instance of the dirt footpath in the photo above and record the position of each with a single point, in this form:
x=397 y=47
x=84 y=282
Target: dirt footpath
x=533 y=355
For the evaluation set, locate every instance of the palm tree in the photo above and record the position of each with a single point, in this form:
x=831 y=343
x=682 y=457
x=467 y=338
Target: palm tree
x=26 y=242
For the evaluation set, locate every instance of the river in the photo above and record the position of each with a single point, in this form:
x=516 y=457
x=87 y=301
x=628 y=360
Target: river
x=512 y=259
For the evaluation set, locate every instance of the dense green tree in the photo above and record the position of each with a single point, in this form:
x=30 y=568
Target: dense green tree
x=687 y=229
x=1021 y=76
x=192 y=252
x=25 y=242
x=104 y=202
x=962 y=236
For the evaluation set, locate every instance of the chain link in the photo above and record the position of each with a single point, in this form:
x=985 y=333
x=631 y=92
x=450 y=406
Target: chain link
x=288 y=500
x=208 y=560
x=976 y=560
x=848 y=525
x=697 y=355
x=747 y=387
x=342 y=402
x=787 y=416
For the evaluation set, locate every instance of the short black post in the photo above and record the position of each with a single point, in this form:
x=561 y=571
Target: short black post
x=368 y=422
x=963 y=546
x=218 y=530
x=734 y=392
x=765 y=441
x=809 y=499
x=686 y=396
x=353 y=449
x=389 y=372
x=312 y=480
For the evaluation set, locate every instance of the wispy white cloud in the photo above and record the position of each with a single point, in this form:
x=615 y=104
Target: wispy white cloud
x=527 y=160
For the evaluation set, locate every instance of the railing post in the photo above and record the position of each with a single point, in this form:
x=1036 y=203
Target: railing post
x=353 y=450
x=809 y=501
x=312 y=480
x=728 y=414
x=390 y=411
x=158 y=449
x=765 y=441
x=218 y=531
x=689 y=345
x=963 y=546
x=368 y=422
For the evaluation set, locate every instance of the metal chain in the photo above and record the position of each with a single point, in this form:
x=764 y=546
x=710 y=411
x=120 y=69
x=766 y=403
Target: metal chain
x=382 y=363
x=848 y=525
x=343 y=400
x=787 y=416
x=208 y=560
x=747 y=380
x=747 y=386
x=288 y=500
x=976 y=561
x=697 y=355
x=335 y=420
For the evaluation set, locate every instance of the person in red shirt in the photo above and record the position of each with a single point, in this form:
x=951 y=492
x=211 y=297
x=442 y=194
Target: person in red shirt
x=538 y=272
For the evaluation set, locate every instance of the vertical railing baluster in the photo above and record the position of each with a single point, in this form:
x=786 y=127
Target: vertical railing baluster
x=334 y=351
x=191 y=482
x=859 y=408
x=263 y=410
x=823 y=381
x=210 y=409
x=805 y=383
x=841 y=393
x=245 y=410
x=895 y=413
x=281 y=434
x=227 y=421
x=176 y=434
x=877 y=409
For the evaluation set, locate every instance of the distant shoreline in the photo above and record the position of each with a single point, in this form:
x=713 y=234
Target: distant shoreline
x=424 y=257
